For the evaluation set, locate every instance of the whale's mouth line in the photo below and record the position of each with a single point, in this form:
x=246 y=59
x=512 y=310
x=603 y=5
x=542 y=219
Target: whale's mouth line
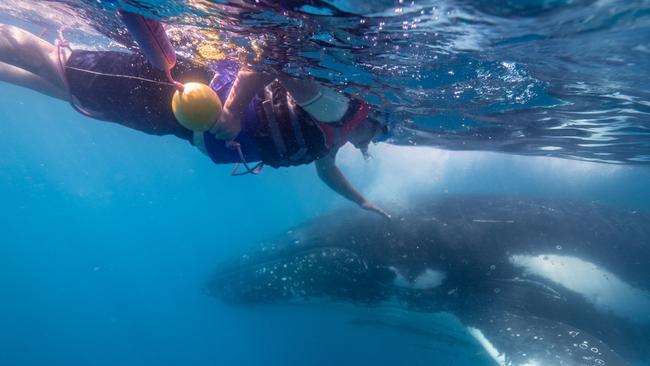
x=276 y=255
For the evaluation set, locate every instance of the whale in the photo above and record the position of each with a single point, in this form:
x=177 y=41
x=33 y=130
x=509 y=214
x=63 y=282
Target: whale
x=533 y=282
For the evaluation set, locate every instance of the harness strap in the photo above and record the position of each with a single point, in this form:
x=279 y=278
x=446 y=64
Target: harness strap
x=61 y=43
x=274 y=127
x=297 y=132
x=256 y=170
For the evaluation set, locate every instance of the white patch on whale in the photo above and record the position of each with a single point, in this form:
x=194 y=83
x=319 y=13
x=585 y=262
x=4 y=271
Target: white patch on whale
x=428 y=279
x=497 y=356
x=603 y=289
x=531 y=363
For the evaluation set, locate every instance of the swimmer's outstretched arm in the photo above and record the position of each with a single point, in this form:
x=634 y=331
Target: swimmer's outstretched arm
x=329 y=173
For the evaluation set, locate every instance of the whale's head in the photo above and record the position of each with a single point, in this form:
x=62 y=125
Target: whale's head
x=285 y=274
x=362 y=259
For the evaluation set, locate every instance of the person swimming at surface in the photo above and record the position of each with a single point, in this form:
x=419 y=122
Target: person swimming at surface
x=276 y=120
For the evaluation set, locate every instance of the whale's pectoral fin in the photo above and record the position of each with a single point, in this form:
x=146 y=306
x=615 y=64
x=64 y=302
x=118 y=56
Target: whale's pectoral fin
x=524 y=340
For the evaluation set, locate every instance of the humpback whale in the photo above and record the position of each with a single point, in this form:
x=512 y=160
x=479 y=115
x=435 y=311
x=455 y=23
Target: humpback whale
x=534 y=282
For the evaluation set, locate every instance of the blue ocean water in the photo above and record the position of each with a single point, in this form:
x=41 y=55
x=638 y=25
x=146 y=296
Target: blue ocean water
x=108 y=236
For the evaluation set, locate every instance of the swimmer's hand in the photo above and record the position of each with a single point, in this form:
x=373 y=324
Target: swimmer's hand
x=329 y=173
x=367 y=205
x=247 y=84
x=227 y=126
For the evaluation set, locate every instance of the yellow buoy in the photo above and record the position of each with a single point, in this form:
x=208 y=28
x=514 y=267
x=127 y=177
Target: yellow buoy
x=197 y=107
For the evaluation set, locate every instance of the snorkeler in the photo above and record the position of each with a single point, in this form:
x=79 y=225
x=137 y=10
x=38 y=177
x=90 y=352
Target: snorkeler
x=275 y=120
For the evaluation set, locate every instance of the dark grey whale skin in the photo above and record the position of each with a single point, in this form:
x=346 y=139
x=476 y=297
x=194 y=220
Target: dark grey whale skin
x=354 y=257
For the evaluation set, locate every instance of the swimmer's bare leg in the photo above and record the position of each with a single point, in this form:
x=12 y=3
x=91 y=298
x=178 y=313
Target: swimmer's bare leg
x=30 y=53
x=20 y=77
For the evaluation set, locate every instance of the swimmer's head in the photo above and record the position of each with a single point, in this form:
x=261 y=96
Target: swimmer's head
x=367 y=131
x=197 y=107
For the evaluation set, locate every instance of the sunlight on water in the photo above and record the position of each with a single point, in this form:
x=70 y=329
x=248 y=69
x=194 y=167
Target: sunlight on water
x=479 y=76
x=396 y=173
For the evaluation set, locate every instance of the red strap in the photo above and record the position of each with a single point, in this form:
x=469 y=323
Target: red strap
x=171 y=79
x=256 y=170
x=332 y=131
x=357 y=118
